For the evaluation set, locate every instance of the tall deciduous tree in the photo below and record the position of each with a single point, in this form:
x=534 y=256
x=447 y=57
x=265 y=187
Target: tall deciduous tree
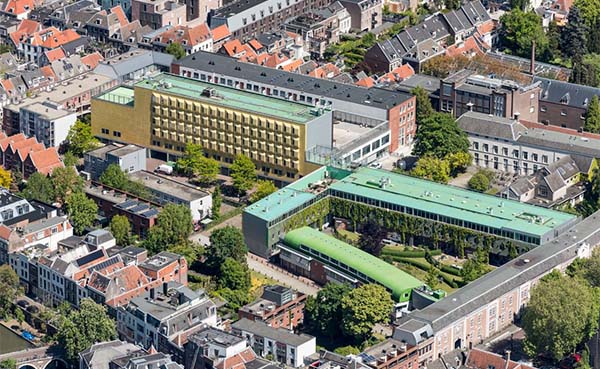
x=439 y=135
x=174 y=223
x=424 y=108
x=80 y=139
x=562 y=313
x=113 y=176
x=82 y=211
x=520 y=4
x=9 y=288
x=226 y=242
x=215 y=211
x=371 y=237
x=243 y=173
x=520 y=30
x=573 y=37
x=362 y=308
x=176 y=50
x=9 y=363
x=592 y=118
x=190 y=160
x=323 y=314
x=65 y=182
x=432 y=168
x=263 y=189
x=589 y=9
x=234 y=275
x=189 y=250
x=207 y=171
x=121 y=230
x=83 y=327
x=5 y=178
x=39 y=187
x=479 y=182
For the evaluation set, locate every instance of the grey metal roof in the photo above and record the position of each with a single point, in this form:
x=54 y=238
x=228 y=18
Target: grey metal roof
x=521 y=186
x=216 y=63
x=276 y=334
x=570 y=94
x=564 y=142
x=511 y=275
x=554 y=181
x=566 y=167
x=491 y=126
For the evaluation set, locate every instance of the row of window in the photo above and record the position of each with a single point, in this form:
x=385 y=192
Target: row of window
x=515 y=153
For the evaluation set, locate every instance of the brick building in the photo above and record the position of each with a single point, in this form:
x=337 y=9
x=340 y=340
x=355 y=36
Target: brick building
x=278 y=307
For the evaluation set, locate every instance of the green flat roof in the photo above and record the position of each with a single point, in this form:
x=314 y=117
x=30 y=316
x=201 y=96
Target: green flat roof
x=120 y=95
x=291 y=196
x=253 y=103
x=452 y=202
x=383 y=273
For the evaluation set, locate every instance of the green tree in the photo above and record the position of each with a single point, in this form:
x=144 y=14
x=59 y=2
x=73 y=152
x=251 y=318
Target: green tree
x=263 y=189
x=585 y=70
x=190 y=160
x=562 y=313
x=458 y=162
x=424 y=108
x=80 y=139
x=476 y=266
x=433 y=277
x=121 y=230
x=432 y=168
x=70 y=160
x=65 y=181
x=83 y=327
x=226 y=242
x=520 y=30
x=593 y=38
x=553 y=34
x=592 y=117
x=587 y=268
x=114 y=177
x=522 y=5
x=175 y=223
x=19 y=316
x=9 y=288
x=191 y=251
x=235 y=298
x=243 y=173
x=207 y=170
x=39 y=187
x=371 y=237
x=589 y=9
x=82 y=211
x=347 y=350
x=9 y=363
x=362 y=308
x=215 y=211
x=323 y=313
x=573 y=37
x=176 y=50
x=439 y=135
x=479 y=182
x=234 y=275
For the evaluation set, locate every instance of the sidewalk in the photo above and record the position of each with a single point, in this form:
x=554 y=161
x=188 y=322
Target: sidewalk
x=301 y=284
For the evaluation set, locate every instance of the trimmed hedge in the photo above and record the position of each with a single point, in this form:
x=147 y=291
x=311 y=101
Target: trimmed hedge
x=450 y=270
x=393 y=251
x=417 y=263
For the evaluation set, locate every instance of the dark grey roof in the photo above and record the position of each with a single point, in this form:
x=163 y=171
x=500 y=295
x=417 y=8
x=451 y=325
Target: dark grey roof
x=490 y=125
x=428 y=83
x=566 y=167
x=216 y=63
x=276 y=334
x=214 y=335
x=71 y=47
x=511 y=275
x=554 y=181
x=570 y=94
x=521 y=185
x=558 y=141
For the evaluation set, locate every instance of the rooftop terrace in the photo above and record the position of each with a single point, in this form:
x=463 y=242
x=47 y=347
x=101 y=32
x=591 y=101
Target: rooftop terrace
x=120 y=95
x=229 y=98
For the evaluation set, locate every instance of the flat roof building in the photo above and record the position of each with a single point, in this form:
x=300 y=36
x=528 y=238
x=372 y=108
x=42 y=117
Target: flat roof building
x=506 y=222
x=167 y=112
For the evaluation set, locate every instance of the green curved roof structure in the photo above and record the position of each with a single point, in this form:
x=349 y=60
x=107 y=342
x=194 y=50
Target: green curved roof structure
x=352 y=261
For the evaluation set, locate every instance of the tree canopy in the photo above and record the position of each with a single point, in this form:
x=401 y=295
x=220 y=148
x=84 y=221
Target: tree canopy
x=479 y=182
x=83 y=327
x=362 y=308
x=215 y=211
x=424 y=108
x=226 y=242
x=439 y=135
x=432 y=168
x=5 y=178
x=573 y=36
x=476 y=266
x=176 y=50
x=194 y=163
x=371 y=237
x=234 y=275
x=114 y=177
x=65 y=181
x=323 y=313
x=121 y=230
x=263 y=189
x=592 y=118
x=562 y=313
x=80 y=139
x=82 y=211
x=519 y=31
x=243 y=173
x=9 y=288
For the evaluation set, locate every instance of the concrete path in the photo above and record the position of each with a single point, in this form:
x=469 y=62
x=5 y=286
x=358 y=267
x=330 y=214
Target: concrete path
x=301 y=284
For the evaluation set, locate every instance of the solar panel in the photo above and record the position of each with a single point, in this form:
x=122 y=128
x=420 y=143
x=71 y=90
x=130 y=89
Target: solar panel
x=150 y=213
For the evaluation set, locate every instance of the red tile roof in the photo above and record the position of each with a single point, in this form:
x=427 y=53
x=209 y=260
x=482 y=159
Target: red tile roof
x=28 y=142
x=291 y=67
x=467 y=48
x=5 y=142
x=255 y=44
x=187 y=36
x=365 y=82
x=55 y=54
x=220 y=33
x=275 y=60
x=19 y=6
x=92 y=60
x=120 y=15
x=46 y=160
x=479 y=359
x=4 y=232
x=48 y=72
x=237 y=361
x=29 y=26
x=24 y=151
x=52 y=37
x=7 y=85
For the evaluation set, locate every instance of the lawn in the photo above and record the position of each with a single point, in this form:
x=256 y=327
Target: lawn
x=350 y=236
x=258 y=281
x=421 y=275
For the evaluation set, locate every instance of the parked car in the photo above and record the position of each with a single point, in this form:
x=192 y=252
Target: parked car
x=570 y=361
x=23 y=303
x=164 y=169
x=375 y=165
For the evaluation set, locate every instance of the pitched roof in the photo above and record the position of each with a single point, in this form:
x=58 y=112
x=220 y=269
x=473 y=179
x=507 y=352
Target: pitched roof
x=28 y=142
x=24 y=151
x=92 y=60
x=365 y=82
x=221 y=32
x=6 y=141
x=255 y=44
x=55 y=54
x=19 y=6
x=4 y=232
x=290 y=67
x=46 y=160
x=569 y=94
x=48 y=72
x=118 y=11
x=479 y=359
x=186 y=36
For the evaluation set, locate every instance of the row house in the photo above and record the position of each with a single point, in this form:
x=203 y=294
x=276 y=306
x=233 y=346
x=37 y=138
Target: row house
x=278 y=307
x=27 y=155
x=33 y=48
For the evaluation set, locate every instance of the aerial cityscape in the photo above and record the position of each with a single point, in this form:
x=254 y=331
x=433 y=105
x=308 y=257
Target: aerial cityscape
x=299 y=184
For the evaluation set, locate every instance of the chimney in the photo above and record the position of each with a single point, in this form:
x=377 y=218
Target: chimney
x=507 y=359
x=532 y=65
x=152 y=294
x=165 y=288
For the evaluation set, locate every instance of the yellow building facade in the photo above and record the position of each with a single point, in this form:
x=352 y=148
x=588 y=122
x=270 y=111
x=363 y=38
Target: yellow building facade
x=167 y=112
